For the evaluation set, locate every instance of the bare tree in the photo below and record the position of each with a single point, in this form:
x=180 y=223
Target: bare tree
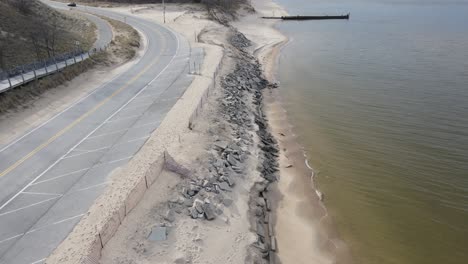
x=55 y=33
x=2 y=54
x=35 y=32
x=22 y=5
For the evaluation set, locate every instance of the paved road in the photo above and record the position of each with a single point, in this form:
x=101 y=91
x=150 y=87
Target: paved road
x=51 y=175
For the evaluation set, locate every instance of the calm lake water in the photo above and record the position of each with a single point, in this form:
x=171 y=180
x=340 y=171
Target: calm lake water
x=380 y=103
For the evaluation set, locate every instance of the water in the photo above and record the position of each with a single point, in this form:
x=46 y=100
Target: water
x=380 y=103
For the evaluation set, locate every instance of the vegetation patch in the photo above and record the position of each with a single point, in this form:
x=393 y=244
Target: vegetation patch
x=126 y=40
x=122 y=48
x=30 y=31
x=23 y=96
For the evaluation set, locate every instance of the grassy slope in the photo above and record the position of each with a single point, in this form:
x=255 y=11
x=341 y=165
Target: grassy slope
x=123 y=48
x=16 y=28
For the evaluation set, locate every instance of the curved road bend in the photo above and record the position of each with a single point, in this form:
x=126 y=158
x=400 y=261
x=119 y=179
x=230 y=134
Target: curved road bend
x=51 y=175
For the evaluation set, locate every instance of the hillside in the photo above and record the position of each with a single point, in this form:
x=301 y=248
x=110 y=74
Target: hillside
x=32 y=31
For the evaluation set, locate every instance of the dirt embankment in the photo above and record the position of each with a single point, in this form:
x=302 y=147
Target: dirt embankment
x=31 y=31
x=123 y=47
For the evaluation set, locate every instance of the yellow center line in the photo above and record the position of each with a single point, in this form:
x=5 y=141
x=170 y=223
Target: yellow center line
x=82 y=117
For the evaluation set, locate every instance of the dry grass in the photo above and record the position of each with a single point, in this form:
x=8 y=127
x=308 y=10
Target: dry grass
x=126 y=40
x=17 y=28
x=123 y=48
x=24 y=96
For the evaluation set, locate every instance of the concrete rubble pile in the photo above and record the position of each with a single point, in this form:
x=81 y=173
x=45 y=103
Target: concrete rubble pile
x=206 y=196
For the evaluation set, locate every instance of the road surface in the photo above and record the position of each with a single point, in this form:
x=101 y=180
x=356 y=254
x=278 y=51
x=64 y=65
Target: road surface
x=51 y=175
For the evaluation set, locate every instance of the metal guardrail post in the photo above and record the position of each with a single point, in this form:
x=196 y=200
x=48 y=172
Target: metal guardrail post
x=56 y=66
x=81 y=56
x=9 y=81
x=45 y=67
x=34 y=70
x=22 y=71
x=74 y=58
x=66 y=64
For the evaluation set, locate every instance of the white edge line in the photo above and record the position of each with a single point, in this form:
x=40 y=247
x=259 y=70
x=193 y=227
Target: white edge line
x=54 y=223
x=149 y=95
x=87 y=152
x=27 y=206
x=10 y=238
x=136 y=139
x=108 y=134
x=132 y=140
x=137 y=106
x=123 y=130
x=122 y=119
x=94 y=130
x=89 y=187
x=42 y=227
x=41 y=193
x=117 y=160
x=38 y=261
x=60 y=176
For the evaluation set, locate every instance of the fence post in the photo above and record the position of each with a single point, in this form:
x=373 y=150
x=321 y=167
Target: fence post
x=45 y=67
x=9 y=81
x=22 y=72
x=74 y=58
x=34 y=70
x=56 y=66
x=66 y=64
x=81 y=56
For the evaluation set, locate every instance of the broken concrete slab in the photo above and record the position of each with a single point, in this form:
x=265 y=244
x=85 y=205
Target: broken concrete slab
x=231 y=160
x=209 y=211
x=158 y=233
x=221 y=145
x=227 y=202
x=169 y=216
x=224 y=186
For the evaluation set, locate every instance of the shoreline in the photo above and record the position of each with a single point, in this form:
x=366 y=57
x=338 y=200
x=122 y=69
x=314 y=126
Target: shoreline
x=297 y=204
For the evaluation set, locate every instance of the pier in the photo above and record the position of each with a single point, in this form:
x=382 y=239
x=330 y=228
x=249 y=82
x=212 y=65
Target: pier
x=309 y=17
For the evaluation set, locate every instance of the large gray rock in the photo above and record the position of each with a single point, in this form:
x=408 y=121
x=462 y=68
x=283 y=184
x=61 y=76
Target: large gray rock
x=209 y=211
x=227 y=202
x=224 y=186
x=231 y=160
x=169 y=216
x=220 y=145
x=193 y=212
x=198 y=205
x=260 y=229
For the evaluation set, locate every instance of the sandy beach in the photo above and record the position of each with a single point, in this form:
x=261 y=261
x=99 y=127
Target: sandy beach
x=299 y=209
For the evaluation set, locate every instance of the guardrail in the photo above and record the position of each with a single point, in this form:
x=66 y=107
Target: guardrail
x=31 y=72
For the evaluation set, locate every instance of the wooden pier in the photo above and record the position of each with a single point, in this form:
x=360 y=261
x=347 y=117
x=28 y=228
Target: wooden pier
x=309 y=17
